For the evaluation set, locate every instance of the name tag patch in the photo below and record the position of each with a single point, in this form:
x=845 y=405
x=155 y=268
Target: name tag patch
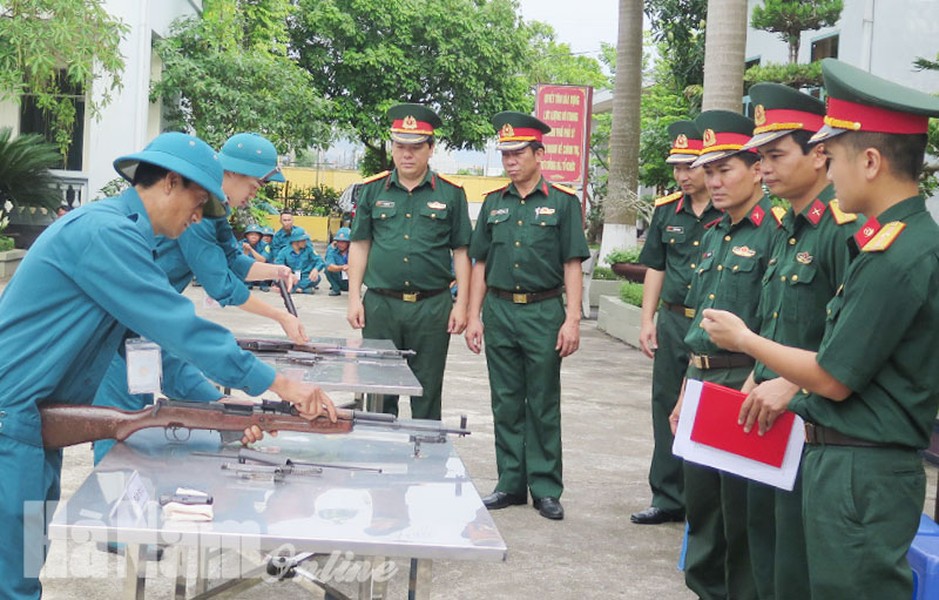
x=674 y=229
x=544 y=210
x=385 y=203
x=498 y=211
x=436 y=205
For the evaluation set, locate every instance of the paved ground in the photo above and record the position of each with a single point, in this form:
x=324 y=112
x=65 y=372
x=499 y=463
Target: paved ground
x=594 y=553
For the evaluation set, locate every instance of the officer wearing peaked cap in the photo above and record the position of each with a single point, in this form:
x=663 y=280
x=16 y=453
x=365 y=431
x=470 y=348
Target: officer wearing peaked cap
x=408 y=224
x=209 y=251
x=528 y=245
x=873 y=385
x=808 y=263
x=729 y=273
x=672 y=247
x=88 y=279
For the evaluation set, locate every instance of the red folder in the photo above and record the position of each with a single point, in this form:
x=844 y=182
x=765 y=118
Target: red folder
x=715 y=425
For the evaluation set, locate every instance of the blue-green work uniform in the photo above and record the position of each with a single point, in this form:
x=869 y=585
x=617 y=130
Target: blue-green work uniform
x=209 y=251
x=808 y=264
x=336 y=257
x=673 y=243
x=525 y=242
x=281 y=239
x=728 y=277
x=412 y=235
x=861 y=505
x=87 y=281
x=305 y=262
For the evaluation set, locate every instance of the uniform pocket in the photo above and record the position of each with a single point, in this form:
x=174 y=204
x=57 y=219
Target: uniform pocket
x=383 y=210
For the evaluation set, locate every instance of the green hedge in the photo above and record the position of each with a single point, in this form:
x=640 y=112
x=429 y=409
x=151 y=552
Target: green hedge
x=631 y=293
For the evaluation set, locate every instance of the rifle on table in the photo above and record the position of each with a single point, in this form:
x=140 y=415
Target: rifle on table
x=275 y=346
x=69 y=424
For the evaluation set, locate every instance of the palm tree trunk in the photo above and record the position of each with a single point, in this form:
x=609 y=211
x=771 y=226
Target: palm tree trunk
x=624 y=134
x=724 y=54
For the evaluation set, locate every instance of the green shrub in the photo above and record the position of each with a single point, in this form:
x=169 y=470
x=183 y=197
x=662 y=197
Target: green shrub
x=6 y=243
x=623 y=255
x=604 y=274
x=631 y=293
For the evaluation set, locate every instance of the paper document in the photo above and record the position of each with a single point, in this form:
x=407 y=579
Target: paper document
x=708 y=434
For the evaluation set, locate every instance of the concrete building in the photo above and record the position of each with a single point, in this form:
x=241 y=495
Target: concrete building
x=130 y=120
x=883 y=37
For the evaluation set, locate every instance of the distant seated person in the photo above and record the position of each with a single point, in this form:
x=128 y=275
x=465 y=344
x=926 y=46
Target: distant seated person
x=267 y=238
x=337 y=262
x=63 y=210
x=301 y=259
x=253 y=246
x=281 y=239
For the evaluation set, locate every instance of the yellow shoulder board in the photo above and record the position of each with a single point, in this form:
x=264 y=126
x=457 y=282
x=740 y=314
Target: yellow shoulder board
x=668 y=199
x=882 y=240
x=839 y=215
x=452 y=182
x=778 y=213
x=564 y=189
x=376 y=177
x=498 y=189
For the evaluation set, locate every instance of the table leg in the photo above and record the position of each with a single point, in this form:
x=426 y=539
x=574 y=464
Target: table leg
x=420 y=579
x=135 y=578
x=182 y=555
x=374 y=402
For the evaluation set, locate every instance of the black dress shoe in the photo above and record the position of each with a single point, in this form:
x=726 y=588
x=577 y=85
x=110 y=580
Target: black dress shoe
x=654 y=516
x=499 y=499
x=549 y=508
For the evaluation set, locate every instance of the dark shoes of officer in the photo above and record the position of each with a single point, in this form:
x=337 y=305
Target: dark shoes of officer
x=549 y=508
x=654 y=516
x=499 y=499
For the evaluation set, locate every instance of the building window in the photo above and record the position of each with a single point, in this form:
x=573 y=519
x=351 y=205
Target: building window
x=34 y=120
x=752 y=62
x=826 y=47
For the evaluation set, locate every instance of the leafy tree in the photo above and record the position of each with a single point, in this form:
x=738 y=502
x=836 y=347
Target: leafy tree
x=678 y=27
x=789 y=18
x=230 y=72
x=467 y=59
x=554 y=62
x=793 y=75
x=930 y=183
x=50 y=46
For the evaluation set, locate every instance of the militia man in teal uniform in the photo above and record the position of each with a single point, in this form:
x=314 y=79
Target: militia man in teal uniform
x=673 y=242
x=728 y=274
x=281 y=238
x=528 y=246
x=408 y=225
x=89 y=280
x=303 y=261
x=872 y=387
x=808 y=264
x=337 y=262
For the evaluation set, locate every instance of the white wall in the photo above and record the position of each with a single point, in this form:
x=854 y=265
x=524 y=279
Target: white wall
x=882 y=36
x=129 y=121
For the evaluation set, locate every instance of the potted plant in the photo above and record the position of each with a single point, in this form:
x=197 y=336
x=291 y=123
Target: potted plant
x=28 y=197
x=625 y=263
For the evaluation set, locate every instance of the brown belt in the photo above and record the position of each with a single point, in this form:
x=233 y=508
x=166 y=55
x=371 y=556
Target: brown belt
x=726 y=360
x=826 y=436
x=680 y=309
x=526 y=297
x=409 y=296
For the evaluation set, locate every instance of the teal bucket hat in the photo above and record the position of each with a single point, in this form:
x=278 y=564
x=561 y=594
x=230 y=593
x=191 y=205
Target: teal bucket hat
x=253 y=155
x=254 y=229
x=186 y=155
x=298 y=235
x=267 y=230
x=343 y=235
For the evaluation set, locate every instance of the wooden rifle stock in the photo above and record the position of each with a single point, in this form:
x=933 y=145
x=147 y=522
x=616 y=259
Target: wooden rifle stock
x=68 y=424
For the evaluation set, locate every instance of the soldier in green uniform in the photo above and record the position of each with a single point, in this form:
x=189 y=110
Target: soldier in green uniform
x=408 y=224
x=528 y=246
x=808 y=264
x=728 y=274
x=673 y=242
x=872 y=388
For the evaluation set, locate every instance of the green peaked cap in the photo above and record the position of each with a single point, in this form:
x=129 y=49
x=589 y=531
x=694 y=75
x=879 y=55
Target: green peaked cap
x=860 y=101
x=412 y=123
x=778 y=110
x=724 y=133
x=686 y=142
